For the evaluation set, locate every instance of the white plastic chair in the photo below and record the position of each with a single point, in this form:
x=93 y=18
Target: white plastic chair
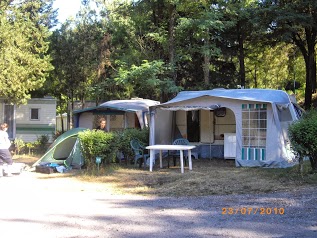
x=182 y=141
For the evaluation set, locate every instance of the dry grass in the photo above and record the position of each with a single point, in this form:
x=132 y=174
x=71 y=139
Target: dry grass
x=209 y=177
x=27 y=159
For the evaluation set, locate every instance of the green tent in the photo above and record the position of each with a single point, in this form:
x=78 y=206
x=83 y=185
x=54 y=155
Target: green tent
x=65 y=150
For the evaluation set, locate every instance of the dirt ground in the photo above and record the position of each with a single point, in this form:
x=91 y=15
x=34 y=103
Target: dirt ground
x=40 y=205
x=208 y=177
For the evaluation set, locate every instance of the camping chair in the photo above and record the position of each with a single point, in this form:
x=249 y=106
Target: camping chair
x=181 y=141
x=138 y=150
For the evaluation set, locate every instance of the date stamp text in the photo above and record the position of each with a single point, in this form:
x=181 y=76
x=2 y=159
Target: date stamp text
x=253 y=210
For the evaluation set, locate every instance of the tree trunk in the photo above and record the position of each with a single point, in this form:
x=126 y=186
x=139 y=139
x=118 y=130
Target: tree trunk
x=241 y=56
x=104 y=56
x=308 y=51
x=68 y=115
x=300 y=165
x=70 y=110
x=255 y=77
x=308 y=88
x=171 y=39
x=62 y=119
x=206 y=69
x=83 y=102
x=313 y=163
x=310 y=64
x=62 y=123
x=206 y=63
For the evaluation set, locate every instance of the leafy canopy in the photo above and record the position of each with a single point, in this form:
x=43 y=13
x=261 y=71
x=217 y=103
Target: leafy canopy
x=24 y=64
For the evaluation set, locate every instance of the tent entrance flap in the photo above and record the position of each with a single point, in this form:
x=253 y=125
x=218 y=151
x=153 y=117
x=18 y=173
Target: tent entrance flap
x=75 y=158
x=63 y=150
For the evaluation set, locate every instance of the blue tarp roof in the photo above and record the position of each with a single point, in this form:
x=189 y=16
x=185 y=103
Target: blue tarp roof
x=132 y=105
x=259 y=95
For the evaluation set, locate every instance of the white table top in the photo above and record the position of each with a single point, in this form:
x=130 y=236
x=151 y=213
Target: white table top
x=170 y=147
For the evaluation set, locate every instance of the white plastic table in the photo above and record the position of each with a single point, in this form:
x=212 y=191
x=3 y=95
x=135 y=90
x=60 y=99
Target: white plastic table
x=181 y=149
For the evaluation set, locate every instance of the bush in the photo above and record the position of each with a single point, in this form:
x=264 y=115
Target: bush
x=96 y=143
x=124 y=138
x=303 y=137
x=30 y=146
x=41 y=144
x=18 y=145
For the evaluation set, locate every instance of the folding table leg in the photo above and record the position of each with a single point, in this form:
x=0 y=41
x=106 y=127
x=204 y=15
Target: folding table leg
x=151 y=159
x=190 y=160
x=182 y=160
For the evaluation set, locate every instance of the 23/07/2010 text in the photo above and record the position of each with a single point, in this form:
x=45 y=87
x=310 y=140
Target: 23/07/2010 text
x=253 y=211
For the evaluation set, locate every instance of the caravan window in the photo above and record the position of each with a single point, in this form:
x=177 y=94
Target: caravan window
x=254 y=130
x=35 y=114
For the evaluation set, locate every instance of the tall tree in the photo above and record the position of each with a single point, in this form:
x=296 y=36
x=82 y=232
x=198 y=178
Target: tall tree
x=74 y=48
x=199 y=32
x=24 y=63
x=295 y=22
x=42 y=12
x=238 y=34
x=267 y=66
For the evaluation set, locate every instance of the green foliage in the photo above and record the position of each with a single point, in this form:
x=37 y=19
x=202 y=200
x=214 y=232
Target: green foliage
x=41 y=144
x=303 y=137
x=98 y=143
x=127 y=135
x=19 y=144
x=29 y=146
x=269 y=67
x=75 y=50
x=294 y=23
x=135 y=48
x=24 y=63
x=148 y=80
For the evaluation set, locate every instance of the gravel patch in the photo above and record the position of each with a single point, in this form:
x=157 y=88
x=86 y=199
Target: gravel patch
x=35 y=205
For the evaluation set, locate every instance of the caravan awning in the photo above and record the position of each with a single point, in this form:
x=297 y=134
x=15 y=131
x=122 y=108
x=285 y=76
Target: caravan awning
x=190 y=108
x=278 y=97
x=138 y=106
x=133 y=105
